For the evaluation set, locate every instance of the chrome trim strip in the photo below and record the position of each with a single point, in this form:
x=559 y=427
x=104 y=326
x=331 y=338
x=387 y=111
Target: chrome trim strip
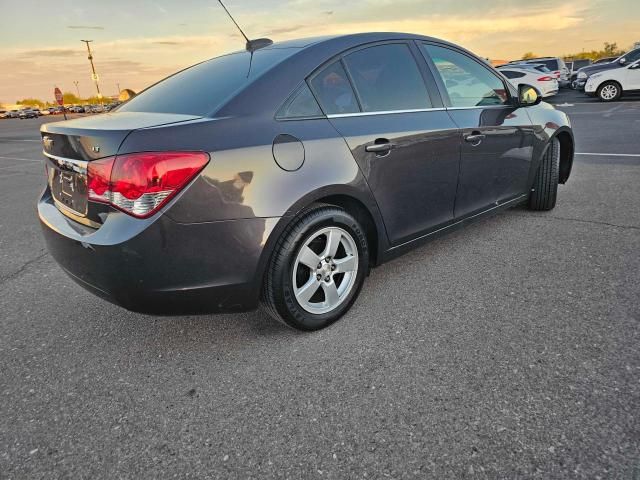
x=462 y=220
x=385 y=112
x=79 y=166
x=416 y=110
x=76 y=216
x=484 y=107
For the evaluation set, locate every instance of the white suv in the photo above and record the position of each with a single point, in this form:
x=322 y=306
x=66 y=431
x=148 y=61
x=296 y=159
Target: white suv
x=610 y=85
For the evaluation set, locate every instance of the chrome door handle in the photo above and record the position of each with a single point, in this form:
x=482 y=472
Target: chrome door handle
x=474 y=138
x=379 y=147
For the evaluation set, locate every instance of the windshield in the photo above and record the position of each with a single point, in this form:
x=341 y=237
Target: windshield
x=200 y=90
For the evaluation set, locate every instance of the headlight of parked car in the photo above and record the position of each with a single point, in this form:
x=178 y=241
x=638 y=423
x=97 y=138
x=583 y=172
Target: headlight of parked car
x=582 y=75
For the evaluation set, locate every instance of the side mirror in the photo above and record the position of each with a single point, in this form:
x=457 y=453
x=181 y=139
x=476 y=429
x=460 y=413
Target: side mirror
x=528 y=95
x=622 y=61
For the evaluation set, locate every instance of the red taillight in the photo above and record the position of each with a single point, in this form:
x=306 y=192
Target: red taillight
x=141 y=183
x=98 y=178
x=546 y=79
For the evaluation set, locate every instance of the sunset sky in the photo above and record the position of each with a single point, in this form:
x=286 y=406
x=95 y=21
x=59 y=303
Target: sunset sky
x=139 y=42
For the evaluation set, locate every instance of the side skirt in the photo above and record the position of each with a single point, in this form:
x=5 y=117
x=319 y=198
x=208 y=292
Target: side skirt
x=405 y=247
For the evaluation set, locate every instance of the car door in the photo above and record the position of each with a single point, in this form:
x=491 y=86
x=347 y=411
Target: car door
x=497 y=138
x=377 y=97
x=631 y=79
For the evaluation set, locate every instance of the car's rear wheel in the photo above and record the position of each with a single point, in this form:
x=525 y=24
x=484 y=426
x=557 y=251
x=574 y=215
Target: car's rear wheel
x=545 y=187
x=609 y=91
x=317 y=268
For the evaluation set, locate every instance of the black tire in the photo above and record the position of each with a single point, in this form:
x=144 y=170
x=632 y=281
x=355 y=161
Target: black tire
x=609 y=87
x=545 y=187
x=278 y=298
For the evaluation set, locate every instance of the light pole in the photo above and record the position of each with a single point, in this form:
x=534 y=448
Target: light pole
x=94 y=76
x=76 y=82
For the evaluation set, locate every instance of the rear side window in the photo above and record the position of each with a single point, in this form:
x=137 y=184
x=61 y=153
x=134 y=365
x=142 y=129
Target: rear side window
x=333 y=90
x=203 y=88
x=512 y=74
x=301 y=104
x=468 y=83
x=386 y=77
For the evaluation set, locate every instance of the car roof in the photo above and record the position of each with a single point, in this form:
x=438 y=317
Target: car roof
x=353 y=38
x=270 y=89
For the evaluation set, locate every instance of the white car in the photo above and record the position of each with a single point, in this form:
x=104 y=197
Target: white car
x=547 y=84
x=610 y=85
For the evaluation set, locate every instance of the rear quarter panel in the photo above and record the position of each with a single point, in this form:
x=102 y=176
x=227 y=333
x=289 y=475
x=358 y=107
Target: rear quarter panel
x=242 y=180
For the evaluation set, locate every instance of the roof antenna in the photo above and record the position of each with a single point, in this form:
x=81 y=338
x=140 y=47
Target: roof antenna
x=251 y=45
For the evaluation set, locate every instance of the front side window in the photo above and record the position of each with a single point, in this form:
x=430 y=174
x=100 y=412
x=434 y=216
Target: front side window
x=632 y=56
x=333 y=90
x=387 y=78
x=468 y=83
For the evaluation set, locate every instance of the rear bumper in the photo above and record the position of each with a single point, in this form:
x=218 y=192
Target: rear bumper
x=160 y=266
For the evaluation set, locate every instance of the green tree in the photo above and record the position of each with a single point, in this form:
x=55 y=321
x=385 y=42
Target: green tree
x=31 y=102
x=610 y=49
x=70 y=98
x=529 y=55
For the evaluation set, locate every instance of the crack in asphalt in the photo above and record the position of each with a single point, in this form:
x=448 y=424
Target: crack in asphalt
x=581 y=220
x=23 y=267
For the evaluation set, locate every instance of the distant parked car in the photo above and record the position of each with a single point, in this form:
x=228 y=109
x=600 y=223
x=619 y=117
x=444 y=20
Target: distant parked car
x=610 y=85
x=28 y=113
x=555 y=64
x=3 y=114
x=37 y=112
x=538 y=67
x=13 y=114
x=585 y=72
x=577 y=65
x=546 y=83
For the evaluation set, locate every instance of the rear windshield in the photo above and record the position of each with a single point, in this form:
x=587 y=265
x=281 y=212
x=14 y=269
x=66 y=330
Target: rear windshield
x=203 y=88
x=550 y=64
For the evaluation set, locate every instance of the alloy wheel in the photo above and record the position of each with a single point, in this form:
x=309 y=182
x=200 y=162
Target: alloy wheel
x=609 y=92
x=325 y=270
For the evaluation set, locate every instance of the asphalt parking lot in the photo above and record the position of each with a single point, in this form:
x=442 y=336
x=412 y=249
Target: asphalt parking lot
x=505 y=350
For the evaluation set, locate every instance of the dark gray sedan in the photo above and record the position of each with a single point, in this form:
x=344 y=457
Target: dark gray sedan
x=282 y=175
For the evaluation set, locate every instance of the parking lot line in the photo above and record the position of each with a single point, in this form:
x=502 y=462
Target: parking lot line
x=610 y=154
x=20 y=159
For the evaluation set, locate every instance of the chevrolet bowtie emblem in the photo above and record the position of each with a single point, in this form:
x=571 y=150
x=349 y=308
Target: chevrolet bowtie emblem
x=48 y=142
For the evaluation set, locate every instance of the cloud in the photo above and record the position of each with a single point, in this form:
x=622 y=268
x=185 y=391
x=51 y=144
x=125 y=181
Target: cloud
x=52 y=52
x=283 y=30
x=85 y=27
x=165 y=42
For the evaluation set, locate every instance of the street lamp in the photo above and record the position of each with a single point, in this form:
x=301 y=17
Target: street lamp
x=76 y=82
x=94 y=75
